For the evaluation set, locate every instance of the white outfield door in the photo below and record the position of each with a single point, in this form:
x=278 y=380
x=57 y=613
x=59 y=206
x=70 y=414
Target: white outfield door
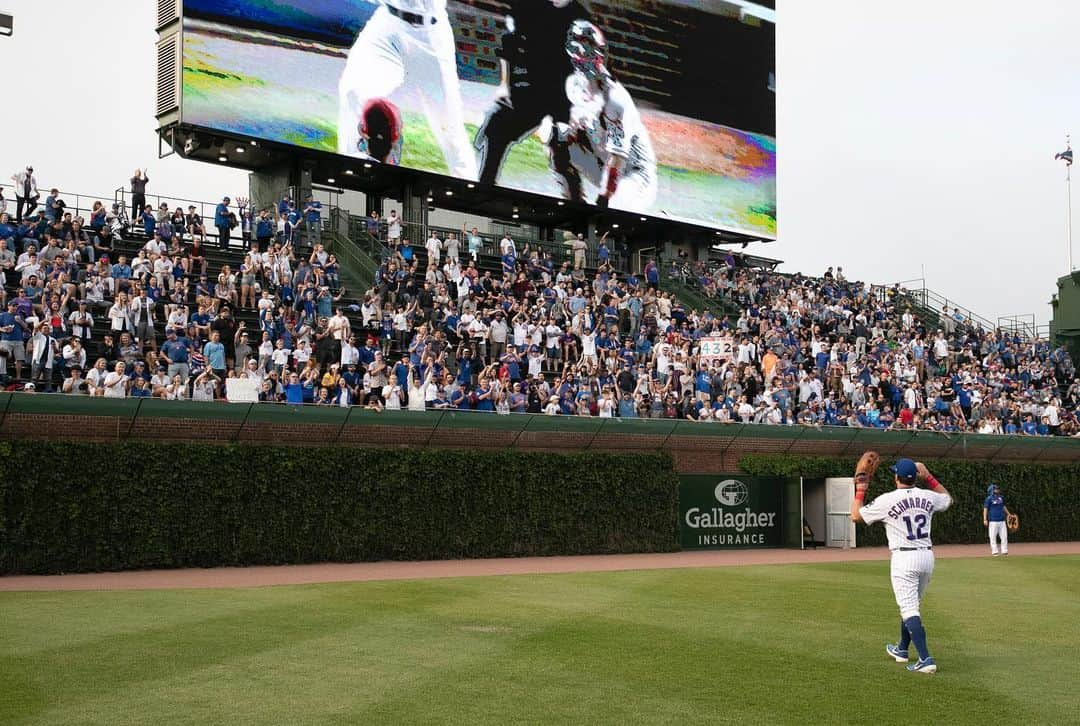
x=839 y=529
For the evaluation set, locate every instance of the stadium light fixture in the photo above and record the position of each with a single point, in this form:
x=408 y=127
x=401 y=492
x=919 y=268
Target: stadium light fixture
x=239 y=149
x=222 y=158
x=470 y=185
x=254 y=142
x=615 y=226
x=449 y=192
x=560 y=202
x=329 y=180
x=644 y=219
x=515 y=215
x=367 y=164
x=348 y=172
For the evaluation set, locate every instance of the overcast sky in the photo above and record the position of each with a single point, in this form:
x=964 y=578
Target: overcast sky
x=912 y=136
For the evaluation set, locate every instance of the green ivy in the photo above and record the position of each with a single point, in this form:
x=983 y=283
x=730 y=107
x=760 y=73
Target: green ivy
x=1045 y=496
x=77 y=507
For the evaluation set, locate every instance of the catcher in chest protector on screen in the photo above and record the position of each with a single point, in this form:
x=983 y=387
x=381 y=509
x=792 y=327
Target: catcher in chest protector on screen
x=907 y=512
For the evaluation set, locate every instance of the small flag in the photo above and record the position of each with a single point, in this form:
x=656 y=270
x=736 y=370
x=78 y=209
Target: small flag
x=1066 y=156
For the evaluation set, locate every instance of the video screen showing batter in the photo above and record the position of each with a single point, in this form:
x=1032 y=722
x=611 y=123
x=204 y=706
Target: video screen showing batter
x=665 y=108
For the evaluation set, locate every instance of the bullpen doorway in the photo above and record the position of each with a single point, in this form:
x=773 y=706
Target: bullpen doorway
x=827 y=512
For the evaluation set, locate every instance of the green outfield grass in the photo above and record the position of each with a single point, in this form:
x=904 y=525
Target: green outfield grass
x=763 y=645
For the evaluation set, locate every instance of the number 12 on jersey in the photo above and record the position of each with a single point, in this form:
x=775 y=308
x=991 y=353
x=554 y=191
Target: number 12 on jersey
x=916 y=530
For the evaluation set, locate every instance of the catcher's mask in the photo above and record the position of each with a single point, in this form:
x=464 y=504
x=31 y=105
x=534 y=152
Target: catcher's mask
x=587 y=48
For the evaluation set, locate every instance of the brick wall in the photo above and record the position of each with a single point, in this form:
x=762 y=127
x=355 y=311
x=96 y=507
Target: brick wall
x=691 y=454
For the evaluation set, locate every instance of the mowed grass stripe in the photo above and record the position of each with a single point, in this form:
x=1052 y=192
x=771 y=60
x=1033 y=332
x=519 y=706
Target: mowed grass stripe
x=777 y=644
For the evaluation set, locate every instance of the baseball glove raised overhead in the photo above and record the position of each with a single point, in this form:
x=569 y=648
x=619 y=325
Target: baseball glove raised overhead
x=868 y=464
x=1012 y=521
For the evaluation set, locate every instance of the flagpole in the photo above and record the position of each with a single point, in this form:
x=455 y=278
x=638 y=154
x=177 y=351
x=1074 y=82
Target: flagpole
x=1068 y=211
x=1067 y=157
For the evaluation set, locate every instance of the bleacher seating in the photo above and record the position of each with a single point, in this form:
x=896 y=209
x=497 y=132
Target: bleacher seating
x=529 y=333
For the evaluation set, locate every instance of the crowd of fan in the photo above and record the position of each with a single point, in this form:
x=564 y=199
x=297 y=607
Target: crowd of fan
x=533 y=335
x=830 y=351
x=64 y=272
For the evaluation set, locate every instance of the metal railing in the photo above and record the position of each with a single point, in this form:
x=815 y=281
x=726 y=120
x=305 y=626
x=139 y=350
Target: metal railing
x=933 y=302
x=82 y=205
x=1024 y=325
x=690 y=293
x=208 y=210
x=205 y=209
x=79 y=205
x=360 y=267
x=560 y=251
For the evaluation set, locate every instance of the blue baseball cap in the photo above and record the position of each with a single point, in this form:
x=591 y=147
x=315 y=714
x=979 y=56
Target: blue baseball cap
x=906 y=471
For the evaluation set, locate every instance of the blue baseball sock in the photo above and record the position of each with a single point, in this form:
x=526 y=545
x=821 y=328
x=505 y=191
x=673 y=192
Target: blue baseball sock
x=918 y=635
x=905 y=637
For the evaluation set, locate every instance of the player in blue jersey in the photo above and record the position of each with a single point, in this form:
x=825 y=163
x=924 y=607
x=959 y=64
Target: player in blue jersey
x=995 y=514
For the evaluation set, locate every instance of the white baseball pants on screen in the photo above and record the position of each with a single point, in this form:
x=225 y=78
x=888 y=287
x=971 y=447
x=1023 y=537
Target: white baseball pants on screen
x=998 y=531
x=636 y=192
x=910 y=572
x=390 y=52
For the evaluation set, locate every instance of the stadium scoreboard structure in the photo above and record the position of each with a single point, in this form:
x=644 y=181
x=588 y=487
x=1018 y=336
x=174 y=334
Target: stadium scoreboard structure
x=656 y=112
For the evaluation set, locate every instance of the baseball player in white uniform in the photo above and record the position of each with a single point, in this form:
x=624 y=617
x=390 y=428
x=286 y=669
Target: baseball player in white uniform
x=610 y=145
x=407 y=42
x=907 y=512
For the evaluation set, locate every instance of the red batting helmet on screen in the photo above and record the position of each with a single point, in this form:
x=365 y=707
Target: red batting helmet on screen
x=380 y=126
x=586 y=47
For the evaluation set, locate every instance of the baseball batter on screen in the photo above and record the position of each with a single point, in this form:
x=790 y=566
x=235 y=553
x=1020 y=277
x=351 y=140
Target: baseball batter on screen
x=610 y=145
x=410 y=44
x=907 y=512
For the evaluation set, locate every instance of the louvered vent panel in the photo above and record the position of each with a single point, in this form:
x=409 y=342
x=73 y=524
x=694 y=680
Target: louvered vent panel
x=167 y=12
x=168 y=80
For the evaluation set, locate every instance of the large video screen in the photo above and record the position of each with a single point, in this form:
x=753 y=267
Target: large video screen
x=658 y=107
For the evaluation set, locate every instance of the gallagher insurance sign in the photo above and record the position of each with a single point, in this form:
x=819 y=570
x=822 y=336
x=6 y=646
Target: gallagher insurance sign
x=720 y=510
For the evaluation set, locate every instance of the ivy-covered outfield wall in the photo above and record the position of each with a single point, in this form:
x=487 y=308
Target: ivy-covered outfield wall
x=1047 y=498
x=80 y=507
x=76 y=507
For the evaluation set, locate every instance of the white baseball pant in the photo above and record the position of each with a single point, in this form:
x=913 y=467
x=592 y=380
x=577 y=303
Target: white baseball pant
x=390 y=52
x=636 y=192
x=998 y=531
x=910 y=572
